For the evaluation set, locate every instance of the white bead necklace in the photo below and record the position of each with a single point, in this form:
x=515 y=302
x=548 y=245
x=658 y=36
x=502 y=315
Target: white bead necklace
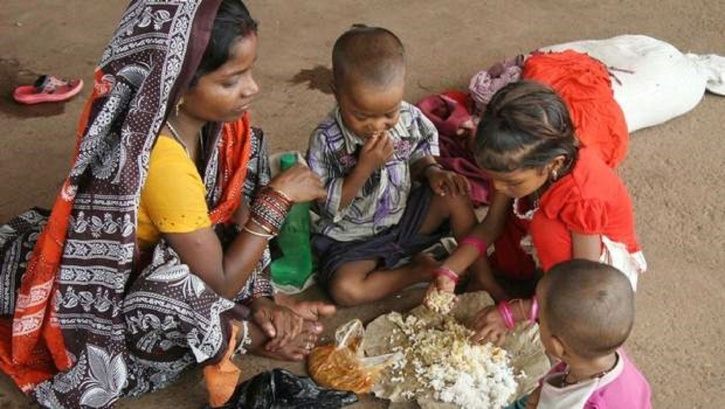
x=529 y=214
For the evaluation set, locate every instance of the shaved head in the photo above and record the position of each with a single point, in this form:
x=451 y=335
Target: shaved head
x=369 y=56
x=588 y=305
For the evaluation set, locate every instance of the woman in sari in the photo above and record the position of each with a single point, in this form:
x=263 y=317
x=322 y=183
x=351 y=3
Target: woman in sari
x=155 y=254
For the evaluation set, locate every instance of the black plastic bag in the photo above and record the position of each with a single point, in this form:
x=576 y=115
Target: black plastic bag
x=281 y=389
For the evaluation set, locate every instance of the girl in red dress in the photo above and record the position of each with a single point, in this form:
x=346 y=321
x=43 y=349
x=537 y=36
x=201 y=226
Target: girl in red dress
x=554 y=200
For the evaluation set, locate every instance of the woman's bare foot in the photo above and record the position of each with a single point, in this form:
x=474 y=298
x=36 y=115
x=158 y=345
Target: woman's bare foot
x=297 y=348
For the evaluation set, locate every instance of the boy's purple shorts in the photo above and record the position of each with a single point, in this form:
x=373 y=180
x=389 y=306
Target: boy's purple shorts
x=388 y=247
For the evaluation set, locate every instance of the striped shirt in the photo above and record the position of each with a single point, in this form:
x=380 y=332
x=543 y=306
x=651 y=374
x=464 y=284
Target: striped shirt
x=333 y=153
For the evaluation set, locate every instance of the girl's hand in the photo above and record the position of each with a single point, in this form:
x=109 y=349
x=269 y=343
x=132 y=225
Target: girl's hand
x=278 y=323
x=299 y=183
x=443 y=284
x=488 y=325
x=440 y=284
x=443 y=182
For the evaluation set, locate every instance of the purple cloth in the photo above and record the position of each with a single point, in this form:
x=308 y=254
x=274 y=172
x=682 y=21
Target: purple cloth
x=486 y=83
x=389 y=246
x=448 y=111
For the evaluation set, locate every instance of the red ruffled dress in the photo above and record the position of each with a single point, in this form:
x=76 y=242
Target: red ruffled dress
x=590 y=200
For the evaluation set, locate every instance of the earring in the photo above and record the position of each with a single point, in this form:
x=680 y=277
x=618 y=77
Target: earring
x=554 y=175
x=178 y=105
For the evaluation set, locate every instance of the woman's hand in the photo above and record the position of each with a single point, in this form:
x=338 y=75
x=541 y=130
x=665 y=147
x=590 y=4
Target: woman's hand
x=299 y=183
x=242 y=214
x=308 y=310
x=278 y=322
x=297 y=348
x=488 y=325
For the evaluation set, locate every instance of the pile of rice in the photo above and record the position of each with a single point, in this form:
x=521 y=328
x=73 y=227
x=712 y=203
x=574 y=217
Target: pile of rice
x=438 y=358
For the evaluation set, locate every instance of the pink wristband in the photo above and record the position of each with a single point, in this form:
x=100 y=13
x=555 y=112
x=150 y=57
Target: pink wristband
x=447 y=272
x=534 y=314
x=508 y=317
x=478 y=244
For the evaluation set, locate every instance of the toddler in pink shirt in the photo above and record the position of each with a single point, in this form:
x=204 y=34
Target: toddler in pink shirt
x=586 y=314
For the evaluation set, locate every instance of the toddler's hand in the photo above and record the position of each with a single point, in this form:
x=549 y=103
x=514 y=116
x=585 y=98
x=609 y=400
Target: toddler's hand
x=488 y=325
x=377 y=151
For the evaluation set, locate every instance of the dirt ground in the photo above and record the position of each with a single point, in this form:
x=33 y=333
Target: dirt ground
x=675 y=171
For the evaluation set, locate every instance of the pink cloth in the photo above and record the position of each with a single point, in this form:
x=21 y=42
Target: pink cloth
x=448 y=111
x=623 y=387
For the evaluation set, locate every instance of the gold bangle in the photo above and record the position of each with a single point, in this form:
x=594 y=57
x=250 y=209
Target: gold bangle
x=261 y=226
x=256 y=233
x=281 y=193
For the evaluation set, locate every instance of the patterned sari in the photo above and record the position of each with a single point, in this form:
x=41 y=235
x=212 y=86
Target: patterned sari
x=85 y=317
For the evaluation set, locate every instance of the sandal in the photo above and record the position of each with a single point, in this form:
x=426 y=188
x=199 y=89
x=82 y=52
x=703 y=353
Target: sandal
x=47 y=88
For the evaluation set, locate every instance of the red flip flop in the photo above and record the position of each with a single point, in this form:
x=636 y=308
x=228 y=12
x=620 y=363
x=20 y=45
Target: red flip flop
x=47 y=88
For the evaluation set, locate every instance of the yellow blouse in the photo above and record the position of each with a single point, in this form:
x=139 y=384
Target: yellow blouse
x=173 y=197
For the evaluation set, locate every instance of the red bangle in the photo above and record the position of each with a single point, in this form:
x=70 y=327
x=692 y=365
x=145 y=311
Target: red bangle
x=534 y=315
x=478 y=244
x=508 y=317
x=447 y=272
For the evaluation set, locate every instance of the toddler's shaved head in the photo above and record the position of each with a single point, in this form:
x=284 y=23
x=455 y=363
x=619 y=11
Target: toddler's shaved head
x=587 y=305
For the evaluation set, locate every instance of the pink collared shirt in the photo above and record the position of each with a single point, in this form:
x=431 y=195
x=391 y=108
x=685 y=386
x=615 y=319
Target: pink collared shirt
x=624 y=387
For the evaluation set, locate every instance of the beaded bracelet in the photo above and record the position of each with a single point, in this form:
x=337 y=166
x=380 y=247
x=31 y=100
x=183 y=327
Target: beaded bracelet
x=477 y=243
x=267 y=222
x=269 y=209
x=282 y=194
x=447 y=272
x=244 y=341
